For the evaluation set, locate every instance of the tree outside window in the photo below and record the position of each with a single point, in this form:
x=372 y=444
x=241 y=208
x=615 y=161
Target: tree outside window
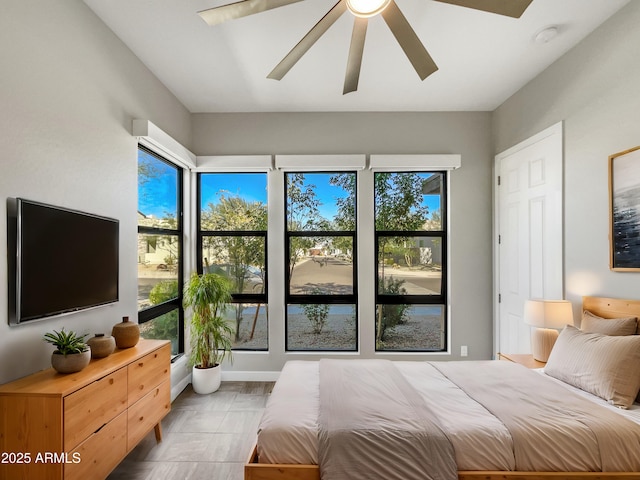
x=321 y=287
x=160 y=312
x=410 y=244
x=233 y=242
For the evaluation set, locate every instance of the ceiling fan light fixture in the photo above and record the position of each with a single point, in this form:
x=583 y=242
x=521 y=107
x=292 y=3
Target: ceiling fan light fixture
x=367 y=8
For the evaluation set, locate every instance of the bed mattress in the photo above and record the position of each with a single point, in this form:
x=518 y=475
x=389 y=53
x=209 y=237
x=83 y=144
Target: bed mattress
x=288 y=432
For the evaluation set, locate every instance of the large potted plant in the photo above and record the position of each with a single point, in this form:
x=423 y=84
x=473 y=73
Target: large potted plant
x=210 y=334
x=72 y=353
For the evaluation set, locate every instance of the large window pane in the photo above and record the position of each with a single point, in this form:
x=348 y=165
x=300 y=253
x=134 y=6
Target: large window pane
x=158 y=266
x=410 y=224
x=321 y=265
x=233 y=201
x=250 y=322
x=408 y=201
x=239 y=258
x=406 y=327
x=157 y=192
x=321 y=201
x=232 y=242
x=160 y=273
x=321 y=326
x=164 y=327
x=320 y=241
x=409 y=265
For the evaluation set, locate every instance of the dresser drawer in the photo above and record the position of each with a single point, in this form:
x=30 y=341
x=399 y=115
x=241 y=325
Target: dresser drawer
x=148 y=412
x=148 y=372
x=91 y=407
x=99 y=454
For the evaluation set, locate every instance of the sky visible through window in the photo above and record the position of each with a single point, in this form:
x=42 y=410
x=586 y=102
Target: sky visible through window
x=157 y=198
x=157 y=190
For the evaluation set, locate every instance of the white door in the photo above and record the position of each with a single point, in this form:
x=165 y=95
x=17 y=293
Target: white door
x=529 y=260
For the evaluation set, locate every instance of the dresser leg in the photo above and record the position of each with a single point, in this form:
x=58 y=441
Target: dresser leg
x=158 y=430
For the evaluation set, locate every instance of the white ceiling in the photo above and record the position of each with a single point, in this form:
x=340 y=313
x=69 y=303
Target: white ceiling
x=483 y=58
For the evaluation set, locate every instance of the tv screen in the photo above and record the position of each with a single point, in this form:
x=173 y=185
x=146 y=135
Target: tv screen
x=61 y=260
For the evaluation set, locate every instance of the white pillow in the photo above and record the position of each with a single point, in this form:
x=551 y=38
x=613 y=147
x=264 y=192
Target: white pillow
x=606 y=366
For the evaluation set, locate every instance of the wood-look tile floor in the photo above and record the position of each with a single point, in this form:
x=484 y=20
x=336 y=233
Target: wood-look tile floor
x=203 y=437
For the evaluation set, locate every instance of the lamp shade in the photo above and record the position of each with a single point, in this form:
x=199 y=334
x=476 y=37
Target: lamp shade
x=548 y=313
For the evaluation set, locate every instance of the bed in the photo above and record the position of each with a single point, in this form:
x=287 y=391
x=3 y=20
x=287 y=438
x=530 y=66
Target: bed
x=476 y=415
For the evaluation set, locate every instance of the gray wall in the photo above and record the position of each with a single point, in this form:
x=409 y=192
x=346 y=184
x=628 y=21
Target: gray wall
x=595 y=90
x=68 y=92
x=467 y=134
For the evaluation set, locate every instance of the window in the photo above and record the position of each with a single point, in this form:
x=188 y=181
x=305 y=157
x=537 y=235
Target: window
x=232 y=241
x=321 y=273
x=160 y=265
x=411 y=239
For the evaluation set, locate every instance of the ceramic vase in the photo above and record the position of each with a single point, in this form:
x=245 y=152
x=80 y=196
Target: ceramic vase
x=126 y=333
x=101 y=345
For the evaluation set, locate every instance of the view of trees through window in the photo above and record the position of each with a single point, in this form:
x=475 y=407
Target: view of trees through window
x=321 y=263
x=160 y=311
x=321 y=268
x=410 y=243
x=233 y=242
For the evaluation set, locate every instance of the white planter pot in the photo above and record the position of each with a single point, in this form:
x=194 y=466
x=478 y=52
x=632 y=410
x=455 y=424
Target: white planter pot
x=206 y=380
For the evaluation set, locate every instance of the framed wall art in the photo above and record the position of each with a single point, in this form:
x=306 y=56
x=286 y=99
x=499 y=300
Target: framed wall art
x=624 y=212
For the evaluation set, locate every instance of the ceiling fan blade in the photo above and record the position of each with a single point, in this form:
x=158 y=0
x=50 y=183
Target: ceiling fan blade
x=216 y=15
x=409 y=41
x=307 y=41
x=510 y=8
x=355 y=55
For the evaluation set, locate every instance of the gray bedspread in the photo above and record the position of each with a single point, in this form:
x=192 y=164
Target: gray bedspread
x=552 y=429
x=373 y=424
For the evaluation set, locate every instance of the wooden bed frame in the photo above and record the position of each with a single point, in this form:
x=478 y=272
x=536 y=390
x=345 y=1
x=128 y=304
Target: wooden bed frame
x=603 y=307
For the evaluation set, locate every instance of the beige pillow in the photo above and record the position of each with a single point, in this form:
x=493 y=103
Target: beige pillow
x=606 y=366
x=608 y=326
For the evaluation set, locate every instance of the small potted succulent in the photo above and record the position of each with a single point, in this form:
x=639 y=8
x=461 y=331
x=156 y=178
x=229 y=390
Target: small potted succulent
x=72 y=353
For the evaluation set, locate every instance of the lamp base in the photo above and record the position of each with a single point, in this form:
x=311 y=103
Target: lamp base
x=542 y=341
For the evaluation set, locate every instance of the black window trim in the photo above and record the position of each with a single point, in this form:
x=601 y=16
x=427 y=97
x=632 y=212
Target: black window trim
x=156 y=311
x=442 y=298
x=336 y=299
x=237 y=298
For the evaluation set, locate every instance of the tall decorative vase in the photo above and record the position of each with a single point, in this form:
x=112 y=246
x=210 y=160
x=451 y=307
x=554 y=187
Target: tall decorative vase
x=126 y=333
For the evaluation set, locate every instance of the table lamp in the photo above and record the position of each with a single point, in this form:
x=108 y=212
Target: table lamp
x=546 y=316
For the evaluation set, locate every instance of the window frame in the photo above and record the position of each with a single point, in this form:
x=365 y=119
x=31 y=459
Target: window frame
x=324 y=299
x=237 y=298
x=443 y=235
x=150 y=313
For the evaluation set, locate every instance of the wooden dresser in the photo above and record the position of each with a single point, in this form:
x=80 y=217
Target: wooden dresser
x=81 y=425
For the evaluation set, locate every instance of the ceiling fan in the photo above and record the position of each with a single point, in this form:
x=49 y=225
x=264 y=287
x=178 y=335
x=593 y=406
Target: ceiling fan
x=362 y=11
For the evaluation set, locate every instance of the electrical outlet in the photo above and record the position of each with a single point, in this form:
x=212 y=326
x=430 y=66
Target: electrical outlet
x=464 y=351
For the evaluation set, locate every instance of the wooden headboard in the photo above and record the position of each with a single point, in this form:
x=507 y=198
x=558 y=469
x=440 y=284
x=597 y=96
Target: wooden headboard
x=611 y=307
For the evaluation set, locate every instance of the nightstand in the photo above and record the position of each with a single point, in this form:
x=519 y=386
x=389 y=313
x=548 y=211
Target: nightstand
x=522 y=358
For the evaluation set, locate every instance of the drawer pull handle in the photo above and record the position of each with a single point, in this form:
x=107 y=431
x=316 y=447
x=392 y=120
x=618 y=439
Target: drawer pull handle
x=101 y=427
x=141 y=418
x=111 y=381
x=141 y=387
x=141 y=364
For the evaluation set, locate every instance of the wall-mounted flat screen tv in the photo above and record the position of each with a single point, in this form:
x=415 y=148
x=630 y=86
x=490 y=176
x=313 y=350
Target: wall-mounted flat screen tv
x=60 y=260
